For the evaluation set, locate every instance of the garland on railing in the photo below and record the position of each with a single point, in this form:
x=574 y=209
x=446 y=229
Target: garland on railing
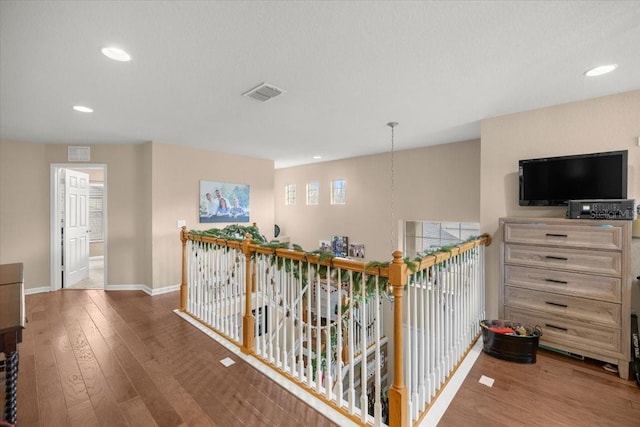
x=237 y=232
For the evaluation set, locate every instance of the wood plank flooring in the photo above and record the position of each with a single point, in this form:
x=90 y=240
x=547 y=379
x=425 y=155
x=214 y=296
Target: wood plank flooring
x=555 y=391
x=95 y=358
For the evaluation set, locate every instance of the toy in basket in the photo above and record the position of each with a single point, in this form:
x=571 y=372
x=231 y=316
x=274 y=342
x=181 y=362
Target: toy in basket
x=510 y=341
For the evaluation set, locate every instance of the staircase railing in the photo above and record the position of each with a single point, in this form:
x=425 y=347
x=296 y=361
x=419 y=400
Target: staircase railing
x=444 y=304
x=320 y=320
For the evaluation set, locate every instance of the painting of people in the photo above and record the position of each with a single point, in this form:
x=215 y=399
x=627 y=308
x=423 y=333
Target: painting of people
x=224 y=202
x=340 y=246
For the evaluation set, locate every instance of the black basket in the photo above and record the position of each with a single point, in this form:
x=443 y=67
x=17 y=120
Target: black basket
x=514 y=348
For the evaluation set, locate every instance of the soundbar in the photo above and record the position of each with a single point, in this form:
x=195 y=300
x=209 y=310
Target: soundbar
x=616 y=209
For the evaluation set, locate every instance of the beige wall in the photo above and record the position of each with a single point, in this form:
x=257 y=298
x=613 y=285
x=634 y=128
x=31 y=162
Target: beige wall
x=424 y=189
x=24 y=209
x=176 y=174
x=149 y=187
x=601 y=124
x=25 y=170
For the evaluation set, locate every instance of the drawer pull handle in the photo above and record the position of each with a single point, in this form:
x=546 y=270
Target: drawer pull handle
x=556 y=235
x=557 y=257
x=556 y=304
x=556 y=327
x=563 y=282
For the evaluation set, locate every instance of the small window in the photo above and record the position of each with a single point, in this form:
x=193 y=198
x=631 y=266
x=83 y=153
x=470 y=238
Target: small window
x=421 y=236
x=290 y=194
x=313 y=190
x=339 y=192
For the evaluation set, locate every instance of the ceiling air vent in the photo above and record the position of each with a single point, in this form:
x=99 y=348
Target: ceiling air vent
x=264 y=92
x=79 y=154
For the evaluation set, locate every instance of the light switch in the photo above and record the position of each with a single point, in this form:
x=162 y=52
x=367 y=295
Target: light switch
x=181 y=223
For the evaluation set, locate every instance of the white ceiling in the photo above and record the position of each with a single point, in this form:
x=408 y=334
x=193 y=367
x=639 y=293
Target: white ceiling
x=438 y=68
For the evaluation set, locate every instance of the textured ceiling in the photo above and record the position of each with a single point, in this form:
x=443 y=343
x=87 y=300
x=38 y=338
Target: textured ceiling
x=438 y=68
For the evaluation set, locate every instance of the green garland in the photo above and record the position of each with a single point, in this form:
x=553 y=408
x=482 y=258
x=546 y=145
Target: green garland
x=237 y=232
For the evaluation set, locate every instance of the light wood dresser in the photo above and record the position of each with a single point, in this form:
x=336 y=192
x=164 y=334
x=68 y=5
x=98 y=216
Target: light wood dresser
x=571 y=277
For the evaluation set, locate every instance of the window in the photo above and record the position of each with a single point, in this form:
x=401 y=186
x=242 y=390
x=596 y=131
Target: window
x=422 y=236
x=313 y=189
x=96 y=212
x=290 y=194
x=339 y=192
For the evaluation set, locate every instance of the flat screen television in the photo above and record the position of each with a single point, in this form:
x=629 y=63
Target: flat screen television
x=553 y=181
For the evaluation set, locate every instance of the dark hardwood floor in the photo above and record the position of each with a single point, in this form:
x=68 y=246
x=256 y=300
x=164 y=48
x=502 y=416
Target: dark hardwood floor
x=95 y=358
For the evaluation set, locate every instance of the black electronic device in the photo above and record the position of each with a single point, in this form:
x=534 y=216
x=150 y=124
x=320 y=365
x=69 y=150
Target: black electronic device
x=635 y=346
x=623 y=209
x=553 y=181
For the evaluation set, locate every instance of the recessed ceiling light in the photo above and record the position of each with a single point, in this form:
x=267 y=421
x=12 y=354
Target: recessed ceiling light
x=603 y=69
x=317 y=157
x=116 y=54
x=83 y=109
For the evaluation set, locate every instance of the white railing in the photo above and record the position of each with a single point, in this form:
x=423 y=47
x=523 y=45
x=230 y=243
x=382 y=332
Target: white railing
x=314 y=322
x=319 y=321
x=444 y=306
x=216 y=291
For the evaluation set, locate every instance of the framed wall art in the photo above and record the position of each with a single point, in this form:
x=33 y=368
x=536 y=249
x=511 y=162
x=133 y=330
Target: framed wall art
x=224 y=202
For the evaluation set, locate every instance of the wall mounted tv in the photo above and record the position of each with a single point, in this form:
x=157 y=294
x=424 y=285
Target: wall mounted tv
x=553 y=181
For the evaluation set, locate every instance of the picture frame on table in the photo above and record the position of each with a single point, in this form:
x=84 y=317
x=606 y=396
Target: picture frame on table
x=340 y=246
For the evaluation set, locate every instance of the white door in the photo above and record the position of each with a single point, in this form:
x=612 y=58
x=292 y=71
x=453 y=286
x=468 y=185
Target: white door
x=76 y=228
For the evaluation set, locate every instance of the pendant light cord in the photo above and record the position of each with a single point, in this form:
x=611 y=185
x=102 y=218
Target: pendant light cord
x=392 y=125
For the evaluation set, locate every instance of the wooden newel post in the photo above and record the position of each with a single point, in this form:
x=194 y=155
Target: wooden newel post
x=248 y=321
x=398 y=403
x=183 y=283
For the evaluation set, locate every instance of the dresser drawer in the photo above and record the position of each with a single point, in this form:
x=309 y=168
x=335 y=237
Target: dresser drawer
x=581 y=309
x=579 y=260
x=567 y=235
x=567 y=333
x=563 y=282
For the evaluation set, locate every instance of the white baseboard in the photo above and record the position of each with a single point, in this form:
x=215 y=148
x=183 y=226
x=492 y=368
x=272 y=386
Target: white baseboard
x=144 y=288
x=132 y=287
x=164 y=290
x=39 y=290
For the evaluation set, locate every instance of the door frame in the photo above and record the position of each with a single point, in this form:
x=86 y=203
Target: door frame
x=56 y=236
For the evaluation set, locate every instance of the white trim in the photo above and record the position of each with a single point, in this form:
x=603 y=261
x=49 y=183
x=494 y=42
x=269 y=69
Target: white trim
x=132 y=287
x=39 y=290
x=144 y=288
x=54 y=268
x=55 y=271
x=292 y=387
x=164 y=290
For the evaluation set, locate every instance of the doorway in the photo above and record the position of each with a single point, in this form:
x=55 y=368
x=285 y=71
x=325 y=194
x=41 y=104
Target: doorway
x=74 y=265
